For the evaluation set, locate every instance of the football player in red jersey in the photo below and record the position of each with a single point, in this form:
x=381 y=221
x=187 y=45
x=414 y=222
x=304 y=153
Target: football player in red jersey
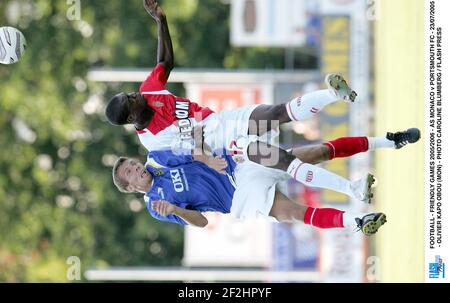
x=159 y=116
x=164 y=121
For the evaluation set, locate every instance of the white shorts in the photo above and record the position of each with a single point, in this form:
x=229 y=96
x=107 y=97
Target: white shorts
x=255 y=184
x=224 y=127
x=255 y=190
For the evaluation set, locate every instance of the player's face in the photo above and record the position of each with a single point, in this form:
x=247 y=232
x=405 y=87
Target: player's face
x=136 y=103
x=138 y=178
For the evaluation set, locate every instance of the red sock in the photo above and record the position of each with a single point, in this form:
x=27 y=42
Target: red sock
x=324 y=217
x=347 y=146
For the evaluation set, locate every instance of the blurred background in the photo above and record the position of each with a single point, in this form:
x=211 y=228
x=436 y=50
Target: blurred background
x=62 y=219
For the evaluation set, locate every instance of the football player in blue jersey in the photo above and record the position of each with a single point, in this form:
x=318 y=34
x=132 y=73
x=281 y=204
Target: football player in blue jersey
x=178 y=189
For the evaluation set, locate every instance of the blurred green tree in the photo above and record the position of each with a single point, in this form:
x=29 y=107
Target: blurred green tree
x=57 y=198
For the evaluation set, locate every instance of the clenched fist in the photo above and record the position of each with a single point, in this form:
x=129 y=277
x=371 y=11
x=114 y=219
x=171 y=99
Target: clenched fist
x=164 y=208
x=154 y=10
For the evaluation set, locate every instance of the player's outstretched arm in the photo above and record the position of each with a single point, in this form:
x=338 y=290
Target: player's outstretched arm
x=192 y=217
x=216 y=163
x=165 y=50
x=203 y=153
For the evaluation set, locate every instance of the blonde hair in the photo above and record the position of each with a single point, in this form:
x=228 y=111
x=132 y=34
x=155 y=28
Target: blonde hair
x=122 y=185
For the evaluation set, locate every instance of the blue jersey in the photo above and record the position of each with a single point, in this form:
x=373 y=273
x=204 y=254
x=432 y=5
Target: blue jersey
x=188 y=184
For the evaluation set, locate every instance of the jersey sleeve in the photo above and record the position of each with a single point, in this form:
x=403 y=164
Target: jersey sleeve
x=167 y=158
x=169 y=218
x=156 y=81
x=195 y=107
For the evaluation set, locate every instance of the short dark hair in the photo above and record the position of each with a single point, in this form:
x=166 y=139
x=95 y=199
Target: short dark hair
x=121 y=184
x=118 y=110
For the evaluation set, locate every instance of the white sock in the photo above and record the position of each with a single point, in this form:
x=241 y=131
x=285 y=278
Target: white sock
x=314 y=176
x=348 y=219
x=380 y=142
x=308 y=105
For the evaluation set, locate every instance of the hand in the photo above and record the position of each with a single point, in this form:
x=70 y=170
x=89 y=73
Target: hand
x=197 y=134
x=217 y=163
x=154 y=10
x=164 y=208
x=239 y=159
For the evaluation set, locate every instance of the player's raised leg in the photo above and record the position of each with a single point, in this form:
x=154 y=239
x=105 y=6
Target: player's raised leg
x=308 y=174
x=285 y=210
x=349 y=146
x=267 y=117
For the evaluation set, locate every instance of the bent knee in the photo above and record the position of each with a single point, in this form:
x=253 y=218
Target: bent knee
x=324 y=152
x=279 y=113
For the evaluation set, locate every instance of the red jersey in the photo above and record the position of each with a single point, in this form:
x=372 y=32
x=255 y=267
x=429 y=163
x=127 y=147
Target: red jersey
x=174 y=117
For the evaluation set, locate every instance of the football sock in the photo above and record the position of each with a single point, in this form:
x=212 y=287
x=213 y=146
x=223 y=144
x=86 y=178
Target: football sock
x=314 y=176
x=324 y=217
x=347 y=146
x=308 y=105
x=330 y=218
x=380 y=142
x=348 y=219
